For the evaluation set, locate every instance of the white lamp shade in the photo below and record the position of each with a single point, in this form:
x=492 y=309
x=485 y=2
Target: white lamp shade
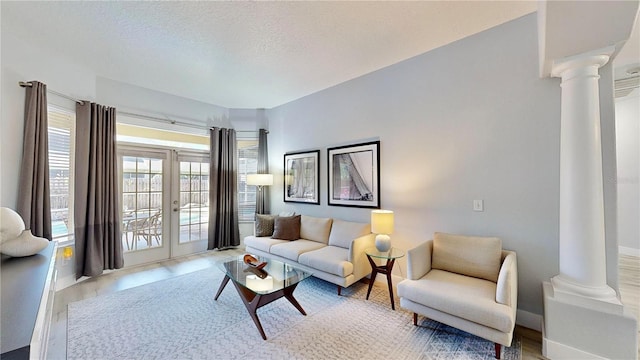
x=260 y=179
x=382 y=221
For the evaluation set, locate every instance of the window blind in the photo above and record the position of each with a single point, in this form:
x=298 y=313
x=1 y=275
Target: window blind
x=247 y=164
x=61 y=149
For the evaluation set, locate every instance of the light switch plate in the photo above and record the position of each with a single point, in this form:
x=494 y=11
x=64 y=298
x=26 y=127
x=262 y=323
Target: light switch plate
x=478 y=205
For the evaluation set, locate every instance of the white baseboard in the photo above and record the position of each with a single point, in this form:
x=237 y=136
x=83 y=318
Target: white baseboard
x=66 y=281
x=628 y=251
x=529 y=320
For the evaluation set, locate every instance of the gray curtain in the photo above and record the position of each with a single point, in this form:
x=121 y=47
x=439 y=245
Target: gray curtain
x=262 y=197
x=33 y=191
x=223 y=190
x=97 y=201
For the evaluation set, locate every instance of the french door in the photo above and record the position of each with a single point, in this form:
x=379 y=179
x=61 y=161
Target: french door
x=190 y=203
x=165 y=203
x=145 y=189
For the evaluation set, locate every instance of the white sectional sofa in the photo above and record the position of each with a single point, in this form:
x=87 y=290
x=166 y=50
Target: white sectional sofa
x=331 y=249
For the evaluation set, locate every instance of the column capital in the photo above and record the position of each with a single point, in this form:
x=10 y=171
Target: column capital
x=593 y=59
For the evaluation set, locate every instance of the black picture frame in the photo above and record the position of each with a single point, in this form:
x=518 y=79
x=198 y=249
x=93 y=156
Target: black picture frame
x=302 y=177
x=354 y=175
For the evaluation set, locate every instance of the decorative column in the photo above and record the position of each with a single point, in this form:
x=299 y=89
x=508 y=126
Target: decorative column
x=583 y=317
x=582 y=236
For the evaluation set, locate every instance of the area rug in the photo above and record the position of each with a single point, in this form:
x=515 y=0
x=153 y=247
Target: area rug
x=177 y=318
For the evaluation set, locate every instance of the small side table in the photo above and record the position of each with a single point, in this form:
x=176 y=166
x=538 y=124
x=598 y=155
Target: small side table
x=386 y=269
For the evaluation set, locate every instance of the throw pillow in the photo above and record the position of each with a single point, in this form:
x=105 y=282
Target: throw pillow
x=264 y=225
x=286 y=228
x=315 y=229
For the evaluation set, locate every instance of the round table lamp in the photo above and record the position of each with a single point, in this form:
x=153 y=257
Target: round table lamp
x=382 y=224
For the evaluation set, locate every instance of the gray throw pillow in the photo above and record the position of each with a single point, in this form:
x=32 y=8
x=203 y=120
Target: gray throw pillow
x=286 y=228
x=264 y=224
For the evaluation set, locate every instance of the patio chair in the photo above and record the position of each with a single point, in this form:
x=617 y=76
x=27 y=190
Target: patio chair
x=152 y=229
x=134 y=226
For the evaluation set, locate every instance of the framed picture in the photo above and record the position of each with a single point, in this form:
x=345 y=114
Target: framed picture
x=354 y=177
x=302 y=177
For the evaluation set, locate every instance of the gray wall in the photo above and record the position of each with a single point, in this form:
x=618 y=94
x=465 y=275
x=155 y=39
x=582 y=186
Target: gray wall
x=628 y=148
x=139 y=100
x=470 y=120
x=23 y=62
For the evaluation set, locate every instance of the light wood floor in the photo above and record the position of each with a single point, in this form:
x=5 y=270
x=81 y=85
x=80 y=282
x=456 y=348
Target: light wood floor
x=629 y=278
x=140 y=275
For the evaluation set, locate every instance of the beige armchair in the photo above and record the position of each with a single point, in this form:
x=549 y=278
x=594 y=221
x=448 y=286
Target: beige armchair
x=466 y=282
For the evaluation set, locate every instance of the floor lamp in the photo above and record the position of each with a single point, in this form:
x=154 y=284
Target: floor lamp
x=260 y=180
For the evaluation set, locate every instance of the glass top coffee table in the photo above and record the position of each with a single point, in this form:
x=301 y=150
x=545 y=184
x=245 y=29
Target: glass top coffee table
x=260 y=287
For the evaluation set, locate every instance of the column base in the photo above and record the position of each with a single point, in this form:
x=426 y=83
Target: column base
x=577 y=327
x=603 y=297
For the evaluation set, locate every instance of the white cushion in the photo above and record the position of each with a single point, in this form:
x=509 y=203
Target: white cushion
x=467 y=255
x=344 y=232
x=263 y=243
x=315 y=229
x=24 y=245
x=466 y=297
x=292 y=249
x=330 y=259
x=11 y=224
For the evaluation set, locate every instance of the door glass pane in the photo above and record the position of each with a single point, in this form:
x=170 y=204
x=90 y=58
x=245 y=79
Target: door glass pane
x=156 y=174
x=141 y=203
x=194 y=201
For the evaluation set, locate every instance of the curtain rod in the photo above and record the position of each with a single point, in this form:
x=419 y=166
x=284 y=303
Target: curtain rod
x=28 y=84
x=167 y=120
x=175 y=122
x=148 y=117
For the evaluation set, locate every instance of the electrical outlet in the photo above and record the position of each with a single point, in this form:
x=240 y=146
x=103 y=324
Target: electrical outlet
x=478 y=205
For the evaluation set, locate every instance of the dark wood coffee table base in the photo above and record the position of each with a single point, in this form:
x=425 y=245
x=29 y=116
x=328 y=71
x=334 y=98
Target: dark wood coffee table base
x=253 y=301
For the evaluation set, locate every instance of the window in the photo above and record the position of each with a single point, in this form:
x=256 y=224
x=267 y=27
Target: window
x=61 y=150
x=247 y=164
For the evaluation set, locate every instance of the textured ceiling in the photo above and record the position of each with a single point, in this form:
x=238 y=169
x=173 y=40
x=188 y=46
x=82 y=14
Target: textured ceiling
x=247 y=54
